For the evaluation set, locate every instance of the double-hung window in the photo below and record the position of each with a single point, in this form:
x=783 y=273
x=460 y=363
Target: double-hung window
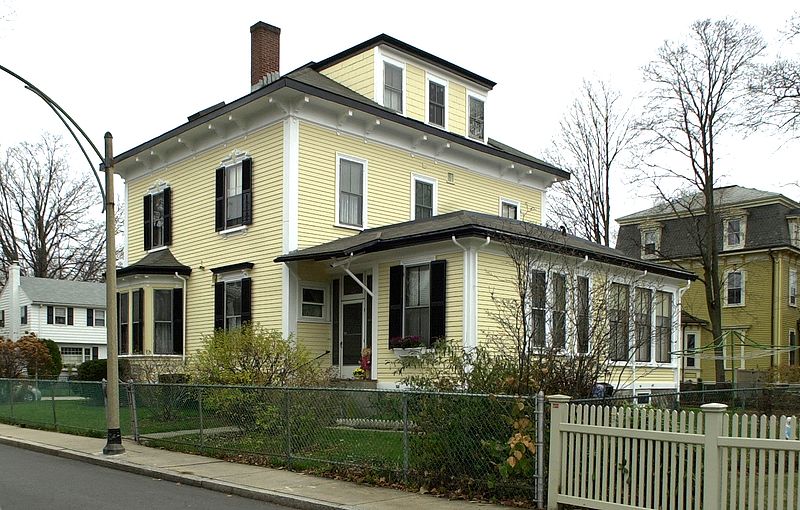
x=95 y=317
x=418 y=303
x=558 y=314
x=417 y=295
x=234 y=194
x=663 y=307
x=733 y=349
x=60 y=314
x=162 y=321
x=538 y=308
x=643 y=324
x=157 y=219
x=509 y=209
x=476 y=117
x=233 y=305
x=618 y=321
x=582 y=319
x=313 y=303
x=691 y=349
x=124 y=321
x=794 y=355
x=734 y=233
x=23 y=314
x=393 y=87
x=436 y=102
x=424 y=198
x=351 y=192
x=792 y=287
x=734 y=291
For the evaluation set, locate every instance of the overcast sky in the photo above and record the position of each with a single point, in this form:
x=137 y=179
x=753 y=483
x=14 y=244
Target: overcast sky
x=139 y=68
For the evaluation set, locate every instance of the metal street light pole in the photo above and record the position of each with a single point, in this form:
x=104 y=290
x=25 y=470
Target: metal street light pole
x=114 y=440
x=114 y=437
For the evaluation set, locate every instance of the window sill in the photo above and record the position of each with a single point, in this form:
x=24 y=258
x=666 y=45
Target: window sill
x=159 y=248
x=349 y=227
x=241 y=229
x=736 y=305
x=412 y=352
x=314 y=320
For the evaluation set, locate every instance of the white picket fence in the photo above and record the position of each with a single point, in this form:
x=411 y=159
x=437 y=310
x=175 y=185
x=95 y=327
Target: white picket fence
x=615 y=458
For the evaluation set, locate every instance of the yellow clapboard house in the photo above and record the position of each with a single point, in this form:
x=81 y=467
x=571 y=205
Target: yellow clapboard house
x=346 y=203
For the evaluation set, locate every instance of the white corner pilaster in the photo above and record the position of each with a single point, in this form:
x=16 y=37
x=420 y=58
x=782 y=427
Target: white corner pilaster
x=470 y=297
x=290 y=213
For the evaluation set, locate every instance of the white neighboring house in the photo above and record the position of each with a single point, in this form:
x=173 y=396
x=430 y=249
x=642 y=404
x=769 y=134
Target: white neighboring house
x=71 y=313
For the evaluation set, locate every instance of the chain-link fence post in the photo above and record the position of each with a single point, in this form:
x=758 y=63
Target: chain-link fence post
x=200 y=409
x=540 y=452
x=134 y=416
x=405 y=437
x=53 y=401
x=11 y=394
x=287 y=419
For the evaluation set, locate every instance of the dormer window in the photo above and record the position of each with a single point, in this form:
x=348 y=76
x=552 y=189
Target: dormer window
x=794 y=231
x=393 y=87
x=651 y=242
x=475 y=119
x=437 y=101
x=734 y=233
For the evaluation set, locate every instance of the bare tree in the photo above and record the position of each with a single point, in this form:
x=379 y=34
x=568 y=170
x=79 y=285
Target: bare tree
x=46 y=213
x=594 y=134
x=776 y=88
x=698 y=92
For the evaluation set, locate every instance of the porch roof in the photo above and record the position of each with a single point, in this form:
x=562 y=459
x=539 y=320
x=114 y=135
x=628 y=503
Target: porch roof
x=473 y=224
x=156 y=262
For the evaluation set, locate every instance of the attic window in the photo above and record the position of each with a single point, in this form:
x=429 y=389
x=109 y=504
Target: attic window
x=651 y=242
x=734 y=233
x=475 y=121
x=393 y=87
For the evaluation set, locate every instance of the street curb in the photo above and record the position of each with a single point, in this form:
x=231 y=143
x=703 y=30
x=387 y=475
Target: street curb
x=279 y=498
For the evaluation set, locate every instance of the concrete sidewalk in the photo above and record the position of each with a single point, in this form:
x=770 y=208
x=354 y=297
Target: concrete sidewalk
x=294 y=490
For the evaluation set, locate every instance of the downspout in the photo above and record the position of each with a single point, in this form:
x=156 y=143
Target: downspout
x=184 y=280
x=772 y=315
x=682 y=365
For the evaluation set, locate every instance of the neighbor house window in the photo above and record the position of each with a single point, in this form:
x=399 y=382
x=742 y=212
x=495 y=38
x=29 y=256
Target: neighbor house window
x=351 y=192
x=95 y=317
x=734 y=292
x=792 y=287
x=582 y=321
x=2 y=318
x=691 y=348
x=393 y=87
x=618 y=321
x=663 y=307
x=234 y=192
x=651 y=240
x=73 y=356
x=538 y=307
x=476 y=107
x=794 y=356
x=734 y=233
x=157 y=219
x=642 y=320
x=417 y=303
x=60 y=315
x=509 y=209
x=436 y=102
x=312 y=302
x=559 y=312
x=424 y=198
x=733 y=349
x=23 y=314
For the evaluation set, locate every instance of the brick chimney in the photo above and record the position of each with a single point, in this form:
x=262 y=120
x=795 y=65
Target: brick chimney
x=265 y=54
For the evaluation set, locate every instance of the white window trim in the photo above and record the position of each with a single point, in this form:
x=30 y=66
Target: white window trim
x=480 y=97
x=572 y=311
x=691 y=330
x=94 y=317
x=742 y=233
x=325 y=302
x=236 y=157
x=792 y=279
x=364 y=201
x=725 y=288
x=508 y=201
x=379 y=69
x=657 y=232
x=441 y=81
x=428 y=180
x=240 y=229
x=794 y=231
x=55 y=316
x=725 y=351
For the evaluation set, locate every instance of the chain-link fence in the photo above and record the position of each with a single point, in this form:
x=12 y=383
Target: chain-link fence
x=450 y=443
x=67 y=406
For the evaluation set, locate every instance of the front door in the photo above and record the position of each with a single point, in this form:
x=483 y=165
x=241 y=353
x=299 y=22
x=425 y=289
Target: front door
x=352 y=336
x=352 y=323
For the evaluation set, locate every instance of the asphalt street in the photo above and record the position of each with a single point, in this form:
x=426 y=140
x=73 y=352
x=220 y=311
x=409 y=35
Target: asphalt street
x=32 y=481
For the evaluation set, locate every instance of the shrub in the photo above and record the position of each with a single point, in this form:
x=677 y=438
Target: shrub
x=96 y=370
x=53 y=370
x=27 y=354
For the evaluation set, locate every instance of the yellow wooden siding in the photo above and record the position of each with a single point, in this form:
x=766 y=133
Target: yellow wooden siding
x=622 y=376
x=415 y=93
x=497 y=284
x=788 y=315
x=316 y=337
x=387 y=362
x=356 y=73
x=196 y=244
x=457 y=109
x=389 y=173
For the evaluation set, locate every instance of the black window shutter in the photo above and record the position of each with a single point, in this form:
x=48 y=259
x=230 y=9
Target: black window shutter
x=177 y=321
x=167 y=216
x=148 y=222
x=438 y=294
x=138 y=336
x=247 y=192
x=89 y=317
x=49 y=314
x=70 y=316
x=395 y=301
x=95 y=352
x=219 y=305
x=219 y=211
x=247 y=297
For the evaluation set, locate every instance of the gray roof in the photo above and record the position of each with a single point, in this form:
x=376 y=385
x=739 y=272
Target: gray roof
x=468 y=223
x=725 y=196
x=156 y=262
x=64 y=292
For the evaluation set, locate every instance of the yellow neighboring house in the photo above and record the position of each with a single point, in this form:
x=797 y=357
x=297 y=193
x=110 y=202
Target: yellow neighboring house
x=759 y=241
x=346 y=203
